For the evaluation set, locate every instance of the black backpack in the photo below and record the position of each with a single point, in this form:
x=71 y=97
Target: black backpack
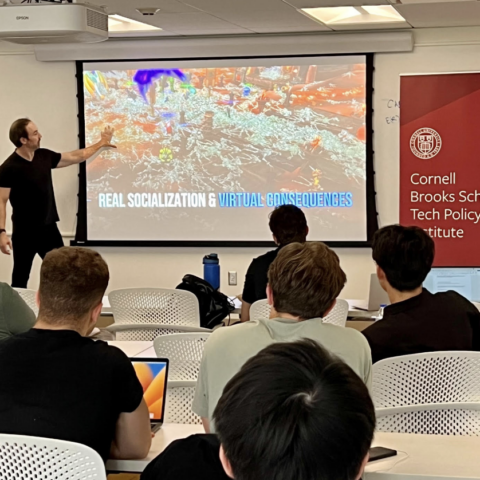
x=214 y=305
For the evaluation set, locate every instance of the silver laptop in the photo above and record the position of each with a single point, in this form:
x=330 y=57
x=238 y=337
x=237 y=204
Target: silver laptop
x=377 y=295
x=153 y=375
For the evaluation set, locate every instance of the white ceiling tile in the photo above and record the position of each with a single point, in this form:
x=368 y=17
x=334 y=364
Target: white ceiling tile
x=294 y=19
x=255 y=13
x=199 y=20
x=273 y=29
x=454 y=14
x=166 y=6
x=213 y=31
x=236 y=5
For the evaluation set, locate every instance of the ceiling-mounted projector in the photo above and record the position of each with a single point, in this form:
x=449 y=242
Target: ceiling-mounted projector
x=40 y=23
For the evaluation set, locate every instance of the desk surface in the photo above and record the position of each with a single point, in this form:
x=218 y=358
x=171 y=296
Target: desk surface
x=134 y=348
x=163 y=438
x=437 y=456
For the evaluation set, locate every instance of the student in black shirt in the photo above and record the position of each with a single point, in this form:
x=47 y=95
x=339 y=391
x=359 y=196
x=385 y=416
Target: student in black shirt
x=416 y=321
x=293 y=412
x=55 y=382
x=26 y=180
x=287 y=224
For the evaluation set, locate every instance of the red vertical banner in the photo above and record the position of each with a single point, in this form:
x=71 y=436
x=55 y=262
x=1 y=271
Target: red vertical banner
x=440 y=163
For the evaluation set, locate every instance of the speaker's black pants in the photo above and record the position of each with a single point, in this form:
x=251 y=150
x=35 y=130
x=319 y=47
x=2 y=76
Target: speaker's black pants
x=26 y=244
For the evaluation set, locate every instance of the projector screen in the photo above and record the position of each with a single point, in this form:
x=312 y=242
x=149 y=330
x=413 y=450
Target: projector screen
x=208 y=148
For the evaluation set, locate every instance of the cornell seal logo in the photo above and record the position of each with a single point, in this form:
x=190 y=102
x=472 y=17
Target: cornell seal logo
x=425 y=143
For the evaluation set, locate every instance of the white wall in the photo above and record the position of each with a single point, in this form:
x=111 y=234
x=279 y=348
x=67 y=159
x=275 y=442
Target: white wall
x=46 y=92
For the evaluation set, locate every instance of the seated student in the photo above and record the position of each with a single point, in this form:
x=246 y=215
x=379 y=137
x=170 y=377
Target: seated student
x=293 y=412
x=57 y=383
x=304 y=281
x=416 y=321
x=287 y=224
x=15 y=315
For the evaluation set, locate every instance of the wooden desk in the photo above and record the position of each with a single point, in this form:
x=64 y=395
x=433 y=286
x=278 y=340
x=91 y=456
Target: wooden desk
x=163 y=438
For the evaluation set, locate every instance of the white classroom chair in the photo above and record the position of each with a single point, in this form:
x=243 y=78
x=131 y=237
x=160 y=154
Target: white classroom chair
x=260 y=310
x=435 y=393
x=29 y=297
x=184 y=352
x=178 y=406
x=338 y=316
x=154 y=306
x=144 y=332
x=34 y=458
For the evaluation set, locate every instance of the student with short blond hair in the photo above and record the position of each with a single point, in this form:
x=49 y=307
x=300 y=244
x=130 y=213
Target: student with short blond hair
x=304 y=281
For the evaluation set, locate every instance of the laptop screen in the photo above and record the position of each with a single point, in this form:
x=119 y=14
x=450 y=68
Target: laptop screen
x=152 y=374
x=463 y=280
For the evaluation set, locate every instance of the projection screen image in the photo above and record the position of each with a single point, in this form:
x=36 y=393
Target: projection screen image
x=207 y=149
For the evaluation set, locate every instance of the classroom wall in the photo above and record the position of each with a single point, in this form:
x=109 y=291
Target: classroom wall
x=46 y=92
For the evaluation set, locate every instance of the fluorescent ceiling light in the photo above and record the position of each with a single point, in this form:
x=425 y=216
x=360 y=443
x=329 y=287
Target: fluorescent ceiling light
x=419 y=2
x=119 y=24
x=354 y=15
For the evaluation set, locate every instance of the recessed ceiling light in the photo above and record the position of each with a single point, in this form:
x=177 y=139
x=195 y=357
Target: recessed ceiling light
x=119 y=24
x=354 y=15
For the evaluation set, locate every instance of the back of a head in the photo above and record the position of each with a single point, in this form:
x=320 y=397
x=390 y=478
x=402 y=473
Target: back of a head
x=294 y=412
x=305 y=279
x=72 y=282
x=288 y=224
x=405 y=254
x=18 y=130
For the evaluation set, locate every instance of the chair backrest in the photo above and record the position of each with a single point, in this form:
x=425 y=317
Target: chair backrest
x=178 y=407
x=432 y=393
x=34 y=458
x=427 y=378
x=155 y=305
x=338 y=316
x=139 y=332
x=260 y=310
x=438 y=419
x=29 y=297
x=184 y=350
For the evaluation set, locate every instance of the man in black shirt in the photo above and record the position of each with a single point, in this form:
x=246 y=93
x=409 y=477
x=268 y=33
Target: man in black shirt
x=293 y=412
x=416 y=321
x=26 y=180
x=55 y=382
x=287 y=224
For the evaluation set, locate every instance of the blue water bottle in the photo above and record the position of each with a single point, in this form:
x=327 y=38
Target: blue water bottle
x=211 y=270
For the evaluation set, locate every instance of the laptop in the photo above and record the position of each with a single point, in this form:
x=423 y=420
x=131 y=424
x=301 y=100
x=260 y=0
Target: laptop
x=153 y=374
x=377 y=295
x=463 y=280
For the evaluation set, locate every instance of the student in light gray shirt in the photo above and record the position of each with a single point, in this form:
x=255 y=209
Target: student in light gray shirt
x=15 y=315
x=304 y=281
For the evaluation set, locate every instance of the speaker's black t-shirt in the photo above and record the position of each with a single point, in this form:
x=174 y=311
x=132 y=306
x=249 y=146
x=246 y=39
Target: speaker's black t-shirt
x=31 y=194
x=58 y=384
x=192 y=458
